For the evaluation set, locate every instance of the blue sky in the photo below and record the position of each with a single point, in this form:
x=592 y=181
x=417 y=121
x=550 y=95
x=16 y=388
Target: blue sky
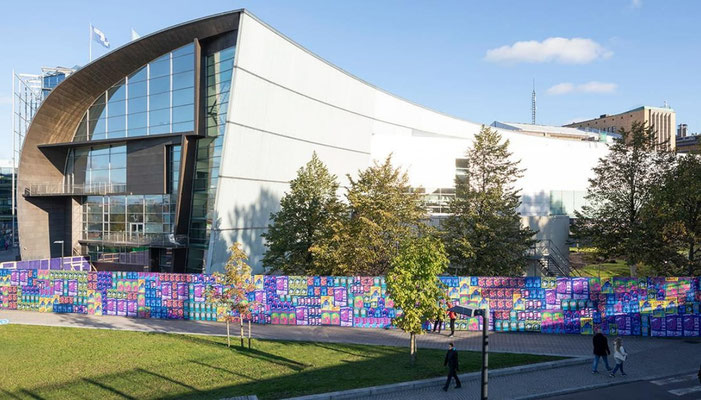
x=472 y=59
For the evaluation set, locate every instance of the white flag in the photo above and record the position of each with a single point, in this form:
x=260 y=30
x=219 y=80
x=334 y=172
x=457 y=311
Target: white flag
x=100 y=37
x=134 y=35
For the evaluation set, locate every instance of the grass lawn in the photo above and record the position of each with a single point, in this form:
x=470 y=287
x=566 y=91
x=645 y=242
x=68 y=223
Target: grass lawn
x=71 y=363
x=609 y=270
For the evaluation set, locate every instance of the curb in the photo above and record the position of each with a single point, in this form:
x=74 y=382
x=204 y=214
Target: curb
x=396 y=387
x=596 y=386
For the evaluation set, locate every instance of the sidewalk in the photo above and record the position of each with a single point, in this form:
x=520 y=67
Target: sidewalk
x=649 y=357
x=533 y=343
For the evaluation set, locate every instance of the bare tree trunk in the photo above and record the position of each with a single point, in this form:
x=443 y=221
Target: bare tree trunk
x=249 y=333
x=633 y=270
x=691 y=257
x=228 y=338
x=241 y=324
x=412 y=347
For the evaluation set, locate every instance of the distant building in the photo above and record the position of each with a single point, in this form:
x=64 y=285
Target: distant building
x=558 y=132
x=681 y=130
x=663 y=121
x=8 y=223
x=689 y=144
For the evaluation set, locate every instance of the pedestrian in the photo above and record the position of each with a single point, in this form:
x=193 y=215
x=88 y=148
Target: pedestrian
x=601 y=350
x=451 y=360
x=438 y=323
x=620 y=355
x=452 y=316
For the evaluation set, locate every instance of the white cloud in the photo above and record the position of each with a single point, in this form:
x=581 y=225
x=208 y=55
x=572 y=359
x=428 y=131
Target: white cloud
x=555 y=49
x=636 y=3
x=589 y=87
x=597 y=87
x=561 y=88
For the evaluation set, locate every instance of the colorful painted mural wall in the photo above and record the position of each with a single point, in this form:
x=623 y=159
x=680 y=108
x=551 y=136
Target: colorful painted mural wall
x=619 y=306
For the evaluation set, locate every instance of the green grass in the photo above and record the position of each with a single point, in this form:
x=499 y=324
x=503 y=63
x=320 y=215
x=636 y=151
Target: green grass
x=612 y=270
x=69 y=363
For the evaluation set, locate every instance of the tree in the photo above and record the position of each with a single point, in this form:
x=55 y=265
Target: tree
x=672 y=219
x=383 y=212
x=483 y=234
x=622 y=186
x=306 y=213
x=413 y=284
x=236 y=283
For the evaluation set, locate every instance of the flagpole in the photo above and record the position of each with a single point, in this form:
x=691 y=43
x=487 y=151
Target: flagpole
x=90 y=44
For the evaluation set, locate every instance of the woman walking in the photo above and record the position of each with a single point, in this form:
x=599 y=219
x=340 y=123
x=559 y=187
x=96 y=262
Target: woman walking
x=620 y=355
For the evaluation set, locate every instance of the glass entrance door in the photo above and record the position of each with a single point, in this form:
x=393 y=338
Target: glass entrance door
x=136 y=229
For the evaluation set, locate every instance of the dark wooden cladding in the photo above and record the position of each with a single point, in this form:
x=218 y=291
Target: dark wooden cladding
x=59 y=115
x=146 y=165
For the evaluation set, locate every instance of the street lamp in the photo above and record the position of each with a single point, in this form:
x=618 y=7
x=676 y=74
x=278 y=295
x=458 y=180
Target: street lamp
x=60 y=242
x=484 y=313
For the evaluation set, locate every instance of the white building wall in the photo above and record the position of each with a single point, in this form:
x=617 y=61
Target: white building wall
x=287 y=103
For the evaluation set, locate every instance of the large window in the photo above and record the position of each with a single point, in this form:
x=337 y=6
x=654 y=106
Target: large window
x=124 y=217
x=157 y=98
x=97 y=166
x=219 y=72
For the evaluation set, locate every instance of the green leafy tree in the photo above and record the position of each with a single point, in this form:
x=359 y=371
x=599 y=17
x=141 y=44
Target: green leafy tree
x=624 y=181
x=384 y=211
x=483 y=234
x=413 y=284
x=236 y=283
x=306 y=213
x=672 y=220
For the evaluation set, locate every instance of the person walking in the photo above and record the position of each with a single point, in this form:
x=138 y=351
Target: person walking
x=438 y=323
x=620 y=355
x=601 y=350
x=451 y=360
x=453 y=317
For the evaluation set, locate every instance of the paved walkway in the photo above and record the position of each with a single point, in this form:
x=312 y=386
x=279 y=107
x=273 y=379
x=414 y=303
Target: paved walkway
x=649 y=357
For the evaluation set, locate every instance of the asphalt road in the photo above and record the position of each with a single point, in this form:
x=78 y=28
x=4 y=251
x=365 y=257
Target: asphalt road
x=680 y=387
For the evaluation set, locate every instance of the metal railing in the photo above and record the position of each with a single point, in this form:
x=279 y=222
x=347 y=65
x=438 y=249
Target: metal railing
x=140 y=239
x=44 y=189
x=551 y=259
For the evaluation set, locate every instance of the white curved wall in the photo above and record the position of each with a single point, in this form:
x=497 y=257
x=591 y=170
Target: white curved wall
x=287 y=103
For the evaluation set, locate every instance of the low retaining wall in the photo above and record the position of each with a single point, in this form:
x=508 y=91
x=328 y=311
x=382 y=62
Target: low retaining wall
x=619 y=306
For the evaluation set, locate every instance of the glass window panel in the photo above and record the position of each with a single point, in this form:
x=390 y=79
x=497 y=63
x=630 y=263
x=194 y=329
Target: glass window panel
x=81 y=133
x=118 y=176
x=139 y=75
x=94 y=218
x=154 y=228
x=183 y=96
x=135 y=217
x=117 y=108
x=135 y=121
x=99 y=151
x=117 y=92
x=183 y=80
x=95 y=227
x=117 y=227
x=116 y=124
x=99 y=161
x=159 y=85
x=116 y=134
x=118 y=149
x=99 y=176
x=137 y=105
x=160 y=67
x=118 y=160
x=183 y=113
x=182 y=64
x=159 y=119
x=187 y=49
x=136 y=89
x=97 y=128
x=187 y=126
x=154 y=218
x=159 y=101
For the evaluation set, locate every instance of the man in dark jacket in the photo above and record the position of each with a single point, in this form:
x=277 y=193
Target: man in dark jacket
x=451 y=360
x=601 y=350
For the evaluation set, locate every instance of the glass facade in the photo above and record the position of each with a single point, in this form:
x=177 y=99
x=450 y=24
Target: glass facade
x=219 y=72
x=173 y=172
x=7 y=219
x=157 y=98
x=97 y=166
x=136 y=217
